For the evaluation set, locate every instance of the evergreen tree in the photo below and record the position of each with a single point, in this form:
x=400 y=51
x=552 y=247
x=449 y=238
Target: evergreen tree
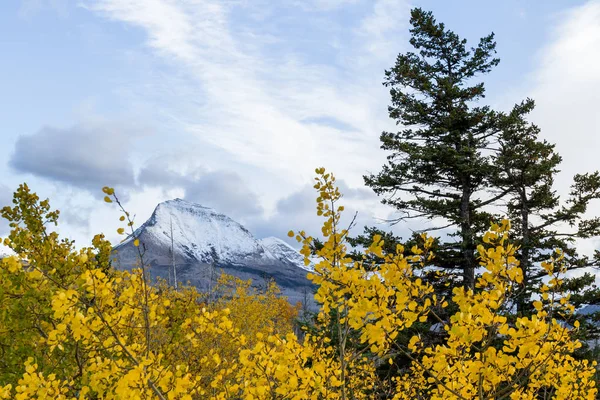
x=457 y=161
x=541 y=223
x=440 y=166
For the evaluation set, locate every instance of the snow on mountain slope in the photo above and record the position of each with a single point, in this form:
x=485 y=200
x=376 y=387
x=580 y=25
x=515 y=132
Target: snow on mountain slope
x=206 y=243
x=199 y=233
x=280 y=250
x=203 y=237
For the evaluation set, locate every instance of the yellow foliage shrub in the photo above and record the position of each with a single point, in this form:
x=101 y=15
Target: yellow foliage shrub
x=90 y=332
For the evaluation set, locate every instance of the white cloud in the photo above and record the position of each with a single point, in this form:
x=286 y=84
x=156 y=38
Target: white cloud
x=388 y=16
x=566 y=87
x=236 y=112
x=255 y=106
x=232 y=110
x=270 y=117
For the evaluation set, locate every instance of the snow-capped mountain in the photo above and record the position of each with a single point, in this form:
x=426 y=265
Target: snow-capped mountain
x=205 y=241
x=199 y=233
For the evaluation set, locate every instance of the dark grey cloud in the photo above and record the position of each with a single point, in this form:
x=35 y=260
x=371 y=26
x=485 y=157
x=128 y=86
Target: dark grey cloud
x=300 y=202
x=295 y=212
x=88 y=156
x=298 y=212
x=76 y=217
x=225 y=191
x=158 y=174
x=304 y=200
x=361 y=193
x=76 y=214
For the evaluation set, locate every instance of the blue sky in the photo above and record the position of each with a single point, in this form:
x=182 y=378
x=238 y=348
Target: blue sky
x=233 y=103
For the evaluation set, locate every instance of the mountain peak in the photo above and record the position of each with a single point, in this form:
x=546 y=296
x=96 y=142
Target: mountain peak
x=198 y=232
x=185 y=204
x=205 y=235
x=202 y=237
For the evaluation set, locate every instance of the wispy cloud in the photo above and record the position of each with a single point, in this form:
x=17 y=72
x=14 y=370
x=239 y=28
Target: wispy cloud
x=261 y=92
x=566 y=87
x=388 y=16
x=267 y=105
x=263 y=108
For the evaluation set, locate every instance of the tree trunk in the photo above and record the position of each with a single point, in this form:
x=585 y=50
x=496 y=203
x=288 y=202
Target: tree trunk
x=467 y=245
x=525 y=245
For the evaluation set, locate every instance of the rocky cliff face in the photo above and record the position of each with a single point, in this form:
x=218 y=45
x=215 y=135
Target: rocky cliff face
x=206 y=243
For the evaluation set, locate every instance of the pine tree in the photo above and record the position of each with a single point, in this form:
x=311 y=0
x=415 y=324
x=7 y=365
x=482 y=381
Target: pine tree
x=541 y=222
x=440 y=166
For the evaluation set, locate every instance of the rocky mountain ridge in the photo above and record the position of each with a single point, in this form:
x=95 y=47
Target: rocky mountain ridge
x=205 y=241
